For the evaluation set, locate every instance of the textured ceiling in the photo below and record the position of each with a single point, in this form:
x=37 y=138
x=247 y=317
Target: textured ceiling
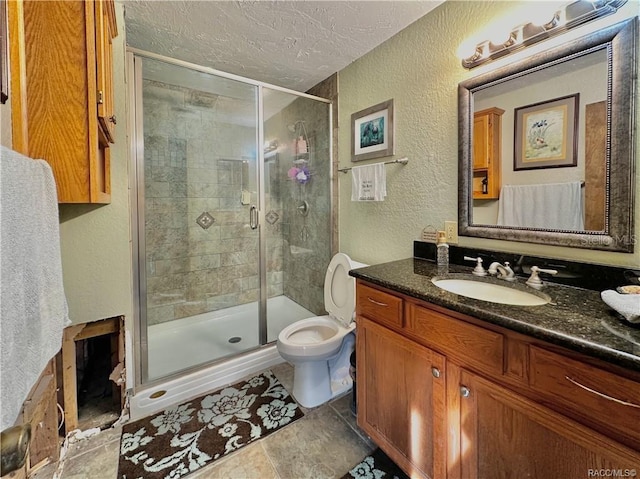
x=294 y=44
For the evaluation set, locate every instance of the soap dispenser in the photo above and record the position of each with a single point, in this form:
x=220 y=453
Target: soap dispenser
x=442 y=255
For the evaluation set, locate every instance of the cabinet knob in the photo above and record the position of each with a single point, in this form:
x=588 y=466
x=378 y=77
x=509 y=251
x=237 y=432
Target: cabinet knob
x=112 y=119
x=436 y=372
x=465 y=392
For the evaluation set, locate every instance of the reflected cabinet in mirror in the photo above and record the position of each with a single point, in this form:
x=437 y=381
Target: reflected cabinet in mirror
x=546 y=146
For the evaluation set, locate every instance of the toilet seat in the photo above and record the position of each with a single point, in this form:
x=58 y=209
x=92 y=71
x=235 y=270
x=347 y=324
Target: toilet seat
x=319 y=336
x=339 y=290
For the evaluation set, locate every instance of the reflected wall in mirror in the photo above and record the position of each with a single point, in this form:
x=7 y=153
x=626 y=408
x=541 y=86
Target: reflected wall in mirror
x=534 y=192
x=532 y=187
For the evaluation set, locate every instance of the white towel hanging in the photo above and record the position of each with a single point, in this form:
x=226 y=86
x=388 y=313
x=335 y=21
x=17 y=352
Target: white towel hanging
x=548 y=206
x=369 y=183
x=33 y=308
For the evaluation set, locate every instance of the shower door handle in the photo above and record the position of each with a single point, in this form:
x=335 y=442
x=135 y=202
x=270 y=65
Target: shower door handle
x=253 y=217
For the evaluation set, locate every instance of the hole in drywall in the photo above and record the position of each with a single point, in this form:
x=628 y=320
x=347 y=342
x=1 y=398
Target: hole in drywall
x=98 y=396
x=235 y=339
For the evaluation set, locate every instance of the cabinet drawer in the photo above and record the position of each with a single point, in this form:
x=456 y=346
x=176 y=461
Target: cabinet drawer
x=477 y=346
x=379 y=306
x=599 y=398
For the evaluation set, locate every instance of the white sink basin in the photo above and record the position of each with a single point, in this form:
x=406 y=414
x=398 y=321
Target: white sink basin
x=493 y=293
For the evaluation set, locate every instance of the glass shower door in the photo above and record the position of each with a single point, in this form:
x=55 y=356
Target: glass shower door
x=198 y=255
x=297 y=206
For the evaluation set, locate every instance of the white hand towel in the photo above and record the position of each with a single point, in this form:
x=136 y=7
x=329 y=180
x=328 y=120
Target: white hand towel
x=369 y=183
x=628 y=305
x=549 y=206
x=33 y=308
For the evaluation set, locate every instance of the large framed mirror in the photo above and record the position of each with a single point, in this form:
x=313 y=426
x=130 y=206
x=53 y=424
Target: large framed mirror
x=546 y=145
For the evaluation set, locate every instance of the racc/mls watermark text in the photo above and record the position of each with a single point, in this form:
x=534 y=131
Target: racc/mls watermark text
x=611 y=473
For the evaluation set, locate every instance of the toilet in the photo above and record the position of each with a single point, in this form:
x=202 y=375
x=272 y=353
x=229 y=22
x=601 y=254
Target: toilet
x=319 y=348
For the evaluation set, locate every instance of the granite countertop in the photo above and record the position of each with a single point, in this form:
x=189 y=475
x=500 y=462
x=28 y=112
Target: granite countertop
x=575 y=318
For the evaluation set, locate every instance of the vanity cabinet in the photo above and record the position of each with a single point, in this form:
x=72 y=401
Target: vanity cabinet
x=487 y=147
x=401 y=402
x=504 y=434
x=447 y=395
x=62 y=92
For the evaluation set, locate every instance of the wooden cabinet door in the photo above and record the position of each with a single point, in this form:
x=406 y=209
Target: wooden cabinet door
x=106 y=30
x=54 y=97
x=504 y=435
x=487 y=147
x=401 y=399
x=481 y=153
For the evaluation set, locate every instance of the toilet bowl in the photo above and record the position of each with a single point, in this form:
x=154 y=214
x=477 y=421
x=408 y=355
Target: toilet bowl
x=319 y=347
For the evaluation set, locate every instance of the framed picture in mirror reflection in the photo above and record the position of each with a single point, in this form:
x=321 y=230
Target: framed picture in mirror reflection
x=546 y=134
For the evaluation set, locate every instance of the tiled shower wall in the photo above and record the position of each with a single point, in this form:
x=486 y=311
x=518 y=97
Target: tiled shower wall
x=307 y=241
x=195 y=162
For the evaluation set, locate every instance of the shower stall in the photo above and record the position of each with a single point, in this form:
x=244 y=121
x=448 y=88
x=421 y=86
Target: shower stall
x=232 y=219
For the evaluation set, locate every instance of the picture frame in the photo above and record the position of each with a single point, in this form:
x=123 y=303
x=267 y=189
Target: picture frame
x=372 y=132
x=546 y=134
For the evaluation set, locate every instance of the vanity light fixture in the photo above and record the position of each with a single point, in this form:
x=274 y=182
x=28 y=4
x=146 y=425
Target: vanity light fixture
x=569 y=16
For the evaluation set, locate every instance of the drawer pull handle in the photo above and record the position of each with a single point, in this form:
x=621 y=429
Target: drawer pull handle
x=465 y=392
x=602 y=395
x=377 y=302
x=436 y=372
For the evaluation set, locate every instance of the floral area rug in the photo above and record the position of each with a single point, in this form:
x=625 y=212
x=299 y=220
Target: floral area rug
x=376 y=465
x=182 y=439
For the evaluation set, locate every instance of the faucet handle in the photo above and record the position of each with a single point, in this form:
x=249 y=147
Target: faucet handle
x=478 y=270
x=534 y=280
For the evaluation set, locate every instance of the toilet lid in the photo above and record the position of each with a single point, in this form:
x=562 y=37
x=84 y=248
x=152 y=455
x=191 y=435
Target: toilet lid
x=339 y=289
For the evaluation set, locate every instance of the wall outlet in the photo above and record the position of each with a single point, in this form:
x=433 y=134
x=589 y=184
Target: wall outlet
x=451 y=230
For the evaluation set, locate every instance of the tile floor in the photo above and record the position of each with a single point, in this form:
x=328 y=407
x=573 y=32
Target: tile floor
x=326 y=443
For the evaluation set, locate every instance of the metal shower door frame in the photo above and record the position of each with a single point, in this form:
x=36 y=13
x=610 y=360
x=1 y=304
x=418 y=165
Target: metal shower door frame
x=137 y=340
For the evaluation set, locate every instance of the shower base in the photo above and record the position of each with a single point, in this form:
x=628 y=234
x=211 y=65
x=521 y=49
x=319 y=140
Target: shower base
x=229 y=333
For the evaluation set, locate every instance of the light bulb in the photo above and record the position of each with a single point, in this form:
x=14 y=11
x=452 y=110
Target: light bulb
x=542 y=13
x=485 y=50
x=467 y=49
x=500 y=36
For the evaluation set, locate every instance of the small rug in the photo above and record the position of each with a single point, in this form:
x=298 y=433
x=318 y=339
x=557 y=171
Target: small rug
x=182 y=439
x=376 y=465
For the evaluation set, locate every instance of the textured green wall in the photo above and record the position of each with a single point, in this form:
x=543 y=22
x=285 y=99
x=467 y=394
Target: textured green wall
x=420 y=69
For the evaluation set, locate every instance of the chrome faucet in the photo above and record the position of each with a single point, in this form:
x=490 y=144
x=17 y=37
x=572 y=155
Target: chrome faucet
x=503 y=272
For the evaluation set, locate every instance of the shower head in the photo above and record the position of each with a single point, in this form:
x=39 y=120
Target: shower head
x=293 y=126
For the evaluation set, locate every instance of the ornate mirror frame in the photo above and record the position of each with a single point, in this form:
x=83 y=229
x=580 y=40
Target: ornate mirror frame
x=619 y=41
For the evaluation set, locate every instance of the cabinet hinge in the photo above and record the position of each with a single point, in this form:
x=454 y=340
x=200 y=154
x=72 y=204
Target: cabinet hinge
x=100 y=97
